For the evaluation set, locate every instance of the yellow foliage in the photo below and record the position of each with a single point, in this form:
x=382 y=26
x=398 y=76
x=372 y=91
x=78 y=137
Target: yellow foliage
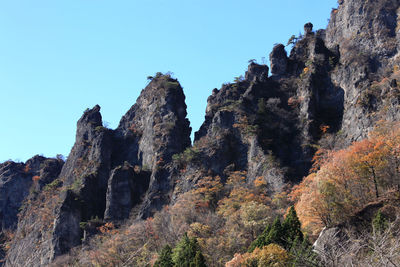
x=271 y=255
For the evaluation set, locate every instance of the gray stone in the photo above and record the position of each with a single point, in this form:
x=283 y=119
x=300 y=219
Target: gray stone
x=278 y=59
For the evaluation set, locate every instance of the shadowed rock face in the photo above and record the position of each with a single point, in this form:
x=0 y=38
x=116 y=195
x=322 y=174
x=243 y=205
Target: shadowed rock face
x=257 y=72
x=17 y=179
x=278 y=59
x=109 y=174
x=153 y=130
x=126 y=187
x=268 y=127
x=308 y=28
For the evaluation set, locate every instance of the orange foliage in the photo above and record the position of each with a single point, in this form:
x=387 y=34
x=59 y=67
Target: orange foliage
x=27 y=168
x=36 y=178
x=345 y=180
x=324 y=128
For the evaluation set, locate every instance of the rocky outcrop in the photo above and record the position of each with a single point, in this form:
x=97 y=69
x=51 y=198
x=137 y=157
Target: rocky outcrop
x=151 y=132
x=126 y=187
x=18 y=179
x=278 y=59
x=17 y=182
x=109 y=174
x=256 y=73
x=328 y=92
x=308 y=27
x=365 y=35
x=49 y=225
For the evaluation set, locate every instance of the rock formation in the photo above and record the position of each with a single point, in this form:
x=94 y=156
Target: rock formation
x=331 y=90
x=109 y=174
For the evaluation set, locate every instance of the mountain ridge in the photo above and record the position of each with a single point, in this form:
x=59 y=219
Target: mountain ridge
x=327 y=93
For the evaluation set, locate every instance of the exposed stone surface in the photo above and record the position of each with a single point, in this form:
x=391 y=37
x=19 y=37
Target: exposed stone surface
x=330 y=91
x=278 y=59
x=99 y=179
x=84 y=179
x=256 y=73
x=366 y=37
x=126 y=187
x=308 y=28
x=153 y=130
x=17 y=179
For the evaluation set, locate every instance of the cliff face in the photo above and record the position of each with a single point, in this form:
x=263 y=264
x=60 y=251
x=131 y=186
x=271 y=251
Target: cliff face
x=329 y=91
x=366 y=36
x=109 y=174
x=17 y=181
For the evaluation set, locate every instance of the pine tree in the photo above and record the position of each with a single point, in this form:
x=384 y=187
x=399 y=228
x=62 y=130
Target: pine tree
x=260 y=240
x=276 y=234
x=165 y=258
x=198 y=261
x=291 y=227
x=187 y=253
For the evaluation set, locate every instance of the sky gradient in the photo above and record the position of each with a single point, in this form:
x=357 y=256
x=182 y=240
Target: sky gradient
x=58 y=58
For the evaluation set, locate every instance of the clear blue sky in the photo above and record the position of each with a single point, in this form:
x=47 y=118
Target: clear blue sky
x=59 y=57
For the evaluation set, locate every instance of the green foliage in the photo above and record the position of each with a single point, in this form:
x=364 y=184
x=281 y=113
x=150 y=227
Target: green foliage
x=262 y=108
x=95 y=220
x=260 y=240
x=187 y=253
x=276 y=234
x=199 y=260
x=285 y=234
x=292 y=227
x=100 y=129
x=171 y=84
x=238 y=79
x=379 y=223
x=190 y=154
x=83 y=225
x=165 y=258
x=53 y=185
x=302 y=253
x=292 y=40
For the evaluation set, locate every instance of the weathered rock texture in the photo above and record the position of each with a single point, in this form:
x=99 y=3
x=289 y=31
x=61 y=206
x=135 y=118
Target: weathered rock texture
x=17 y=181
x=365 y=35
x=109 y=174
x=331 y=90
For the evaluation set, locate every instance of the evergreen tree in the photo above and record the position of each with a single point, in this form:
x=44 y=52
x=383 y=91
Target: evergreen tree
x=291 y=227
x=165 y=258
x=276 y=234
x=379 y=223
x=260 y=240
x=303 y=254
x=198 y=261
x=187 y=253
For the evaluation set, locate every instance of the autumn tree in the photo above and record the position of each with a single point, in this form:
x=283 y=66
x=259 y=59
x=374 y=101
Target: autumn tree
x=343 y=181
